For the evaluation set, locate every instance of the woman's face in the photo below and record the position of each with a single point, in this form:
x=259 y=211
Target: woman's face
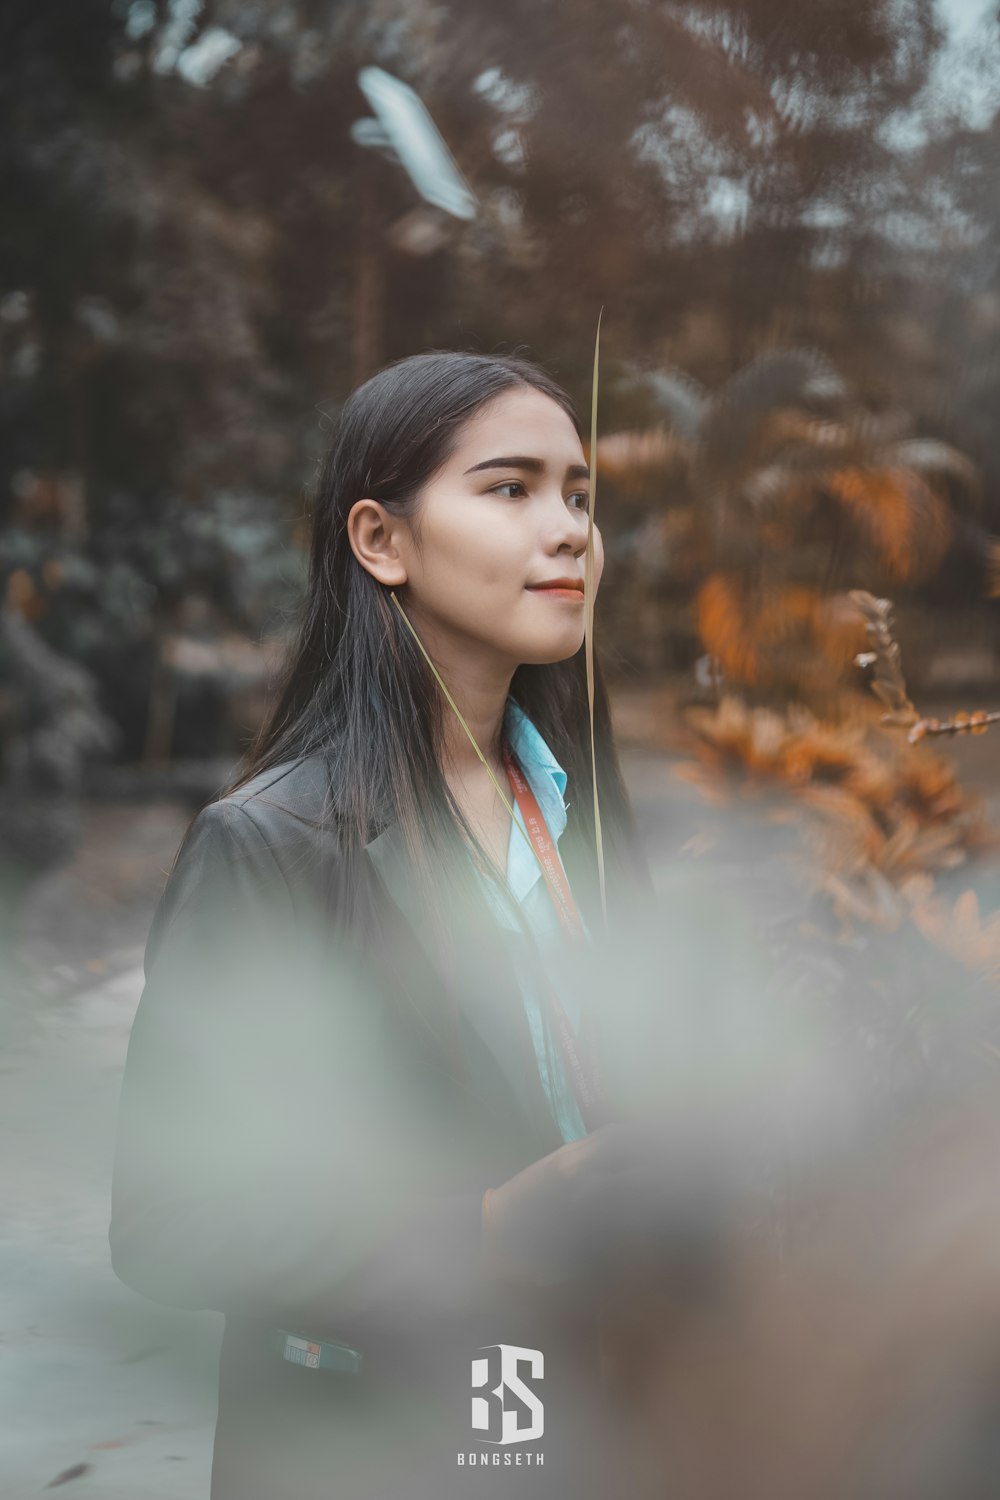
x=506 y=513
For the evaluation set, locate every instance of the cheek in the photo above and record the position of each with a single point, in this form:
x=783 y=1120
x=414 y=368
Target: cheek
x=466 y=561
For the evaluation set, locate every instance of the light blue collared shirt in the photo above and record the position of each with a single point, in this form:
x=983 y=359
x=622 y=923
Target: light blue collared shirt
x=547 y=780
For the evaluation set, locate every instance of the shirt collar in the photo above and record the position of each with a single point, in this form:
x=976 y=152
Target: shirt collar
x=548 y=782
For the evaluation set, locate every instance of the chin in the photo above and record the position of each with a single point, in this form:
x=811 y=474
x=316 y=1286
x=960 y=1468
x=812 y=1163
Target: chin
x=542 y=653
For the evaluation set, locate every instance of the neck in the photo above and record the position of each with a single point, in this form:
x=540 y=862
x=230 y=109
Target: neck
x=482 y=701
x=479 y=684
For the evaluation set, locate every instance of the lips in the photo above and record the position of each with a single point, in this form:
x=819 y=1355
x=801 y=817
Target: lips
x=559 y=583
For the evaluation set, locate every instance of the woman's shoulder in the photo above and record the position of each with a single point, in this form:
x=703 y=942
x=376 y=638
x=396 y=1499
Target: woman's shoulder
x=281 y=816
x=294 y=789
x=251 y=868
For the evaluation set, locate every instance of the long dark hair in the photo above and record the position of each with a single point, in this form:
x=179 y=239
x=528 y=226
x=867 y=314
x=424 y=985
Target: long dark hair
x=356 y=688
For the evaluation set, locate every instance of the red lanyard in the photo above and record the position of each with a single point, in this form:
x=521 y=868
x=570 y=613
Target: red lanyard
x=578 y=1055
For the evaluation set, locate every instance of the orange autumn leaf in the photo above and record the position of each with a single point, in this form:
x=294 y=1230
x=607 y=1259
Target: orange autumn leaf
x=721 y=623
x=907 y=522
x=960 y=930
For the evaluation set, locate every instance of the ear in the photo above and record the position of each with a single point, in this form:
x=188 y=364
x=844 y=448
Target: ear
x=375 y=538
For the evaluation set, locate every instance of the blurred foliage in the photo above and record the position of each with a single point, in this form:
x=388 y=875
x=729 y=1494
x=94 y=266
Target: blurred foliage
x=764 y=503
x=187 y=219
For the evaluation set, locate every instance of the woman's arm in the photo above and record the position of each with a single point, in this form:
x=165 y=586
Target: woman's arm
x=276 y=1155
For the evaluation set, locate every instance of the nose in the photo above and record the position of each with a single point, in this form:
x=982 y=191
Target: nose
x=567 y=530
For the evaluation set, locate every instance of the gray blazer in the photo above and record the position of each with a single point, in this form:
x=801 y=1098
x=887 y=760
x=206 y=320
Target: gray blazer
x=294 y=1150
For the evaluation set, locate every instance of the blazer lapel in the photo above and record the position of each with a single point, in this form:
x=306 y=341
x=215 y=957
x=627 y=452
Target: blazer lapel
x=491 y=999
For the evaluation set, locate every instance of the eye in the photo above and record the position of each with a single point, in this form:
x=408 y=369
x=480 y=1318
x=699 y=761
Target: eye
x=582 y=497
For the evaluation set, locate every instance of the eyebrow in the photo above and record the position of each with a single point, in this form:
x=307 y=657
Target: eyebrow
x=533 y=465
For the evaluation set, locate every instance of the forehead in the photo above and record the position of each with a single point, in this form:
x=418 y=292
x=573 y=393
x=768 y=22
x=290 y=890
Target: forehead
x=520 y=421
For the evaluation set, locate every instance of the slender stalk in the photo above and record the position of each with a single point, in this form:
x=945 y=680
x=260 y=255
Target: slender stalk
x=589 y=612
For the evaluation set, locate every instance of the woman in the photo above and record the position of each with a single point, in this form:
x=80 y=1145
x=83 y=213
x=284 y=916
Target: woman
x=358 y=1117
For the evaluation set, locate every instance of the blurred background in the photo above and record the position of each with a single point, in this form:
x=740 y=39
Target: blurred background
x=218 y=218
